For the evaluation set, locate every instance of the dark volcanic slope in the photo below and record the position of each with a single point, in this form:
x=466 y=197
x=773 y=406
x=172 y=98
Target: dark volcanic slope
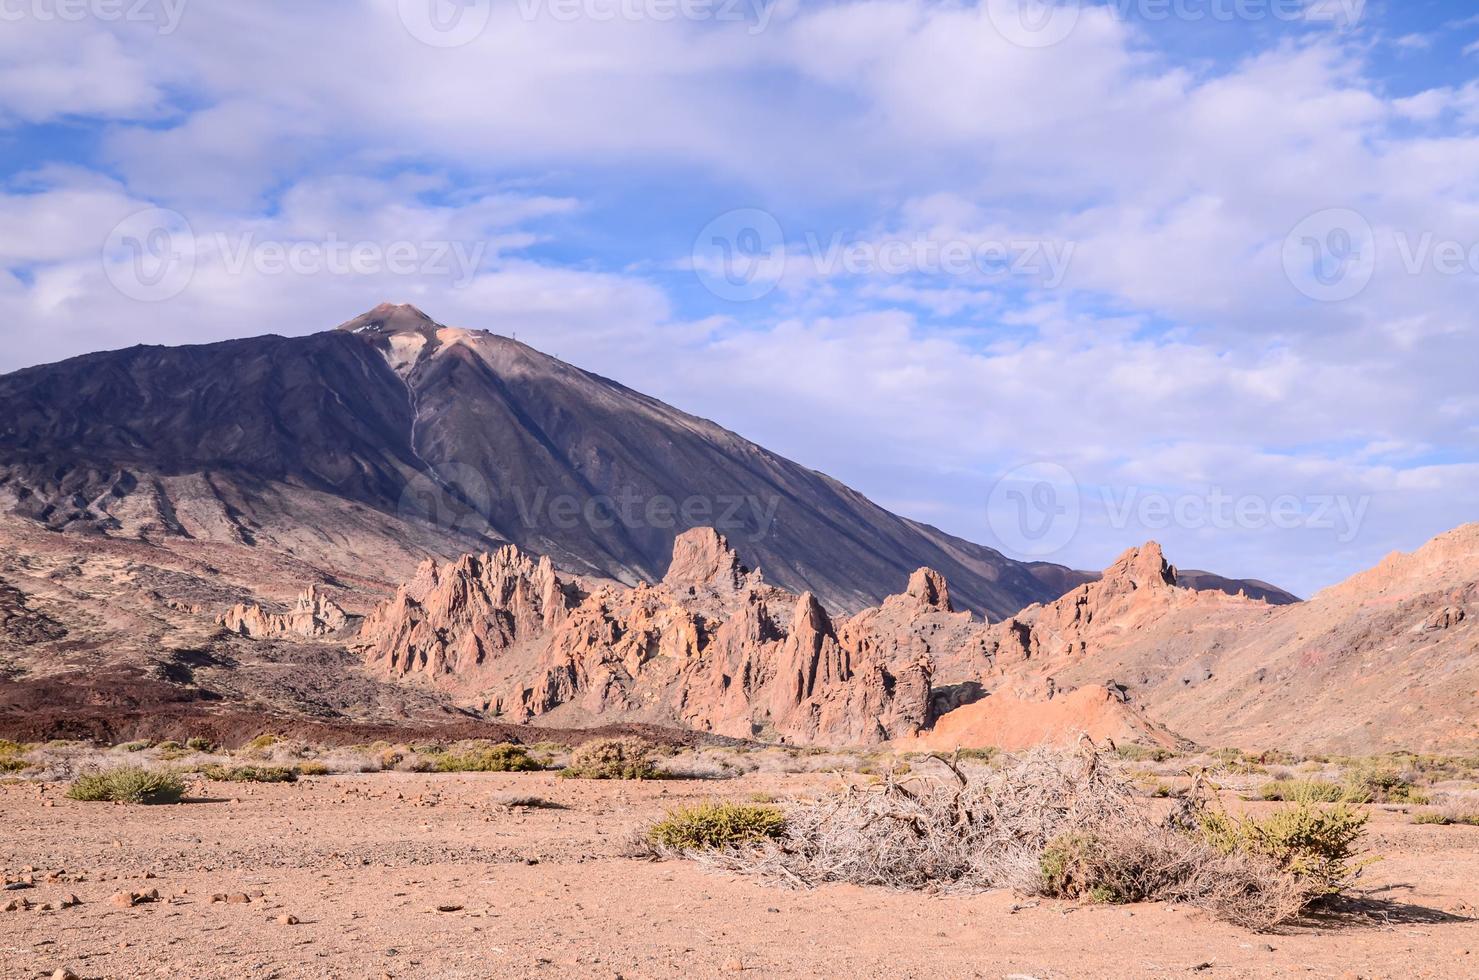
x=464 y=437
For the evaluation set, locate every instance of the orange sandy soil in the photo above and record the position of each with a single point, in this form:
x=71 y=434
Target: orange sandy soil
x=363 y=862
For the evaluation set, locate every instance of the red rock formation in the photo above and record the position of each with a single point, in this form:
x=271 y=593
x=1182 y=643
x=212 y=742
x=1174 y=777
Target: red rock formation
x=451 y=620
x=314 y=615
x=710 y=647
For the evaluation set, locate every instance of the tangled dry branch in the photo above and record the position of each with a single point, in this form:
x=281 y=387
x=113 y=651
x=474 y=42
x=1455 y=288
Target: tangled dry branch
x=1051 y=823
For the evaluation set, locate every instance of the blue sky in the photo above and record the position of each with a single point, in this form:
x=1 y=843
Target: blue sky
x=1059 y=280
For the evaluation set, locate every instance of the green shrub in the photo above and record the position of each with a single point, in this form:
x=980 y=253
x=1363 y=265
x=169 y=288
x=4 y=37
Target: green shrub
x=1319 y=845
x=198 y=744
x=250 y=774
x=611 y=758
x=136 y=746
x=311 y=769
x=1143 y=753
x=487 y=758
x=10 y=764
x=130 y=784
x=1448 y=817
x=712 y=825
x=1378 y=782
x=1304 y=791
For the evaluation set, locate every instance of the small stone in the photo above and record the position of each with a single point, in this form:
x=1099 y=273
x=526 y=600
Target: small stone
x=734 y=966
x=62 y=973
x=449 y=908
x=124 y=900
x=287 y=920
x=238 y=898
x=70 y=900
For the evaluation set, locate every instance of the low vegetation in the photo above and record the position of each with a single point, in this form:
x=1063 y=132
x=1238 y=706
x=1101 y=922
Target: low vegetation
x=250 y=774
x=1058 y=825
x=1317 y=845
x=612 y=758
x=1448 y=817
x=486 y=758
x=1304 y=791
x=715 y=825
x=129 y=784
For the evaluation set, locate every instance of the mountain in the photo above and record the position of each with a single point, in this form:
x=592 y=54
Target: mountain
x=393 y=438
x=448 y=441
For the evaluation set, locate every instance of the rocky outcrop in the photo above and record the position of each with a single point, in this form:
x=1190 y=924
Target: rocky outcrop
x=314 y=615
x=713 y=647
x=710 y=647
x=452 y=619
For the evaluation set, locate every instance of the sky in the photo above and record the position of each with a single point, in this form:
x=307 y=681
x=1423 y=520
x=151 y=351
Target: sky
x=1057 y=277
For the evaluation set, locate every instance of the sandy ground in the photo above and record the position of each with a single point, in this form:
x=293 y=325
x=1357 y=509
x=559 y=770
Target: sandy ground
x=365 y=862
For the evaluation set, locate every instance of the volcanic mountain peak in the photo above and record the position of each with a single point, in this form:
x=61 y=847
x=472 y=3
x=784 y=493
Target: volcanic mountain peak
x=392 y=318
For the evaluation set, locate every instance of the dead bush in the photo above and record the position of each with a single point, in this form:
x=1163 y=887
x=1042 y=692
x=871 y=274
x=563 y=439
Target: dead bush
x=1057 y=824
x=612 y=758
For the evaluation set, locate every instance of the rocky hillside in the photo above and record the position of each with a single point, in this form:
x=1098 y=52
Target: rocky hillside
x=1387 y=660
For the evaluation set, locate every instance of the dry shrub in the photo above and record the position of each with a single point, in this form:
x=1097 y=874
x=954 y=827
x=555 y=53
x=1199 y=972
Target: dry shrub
x=1058 y=824
x=249 y=774
x=1448 y=816
x=128 y=784
x=612 y=758
x=715 y=825
x=487 y=758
